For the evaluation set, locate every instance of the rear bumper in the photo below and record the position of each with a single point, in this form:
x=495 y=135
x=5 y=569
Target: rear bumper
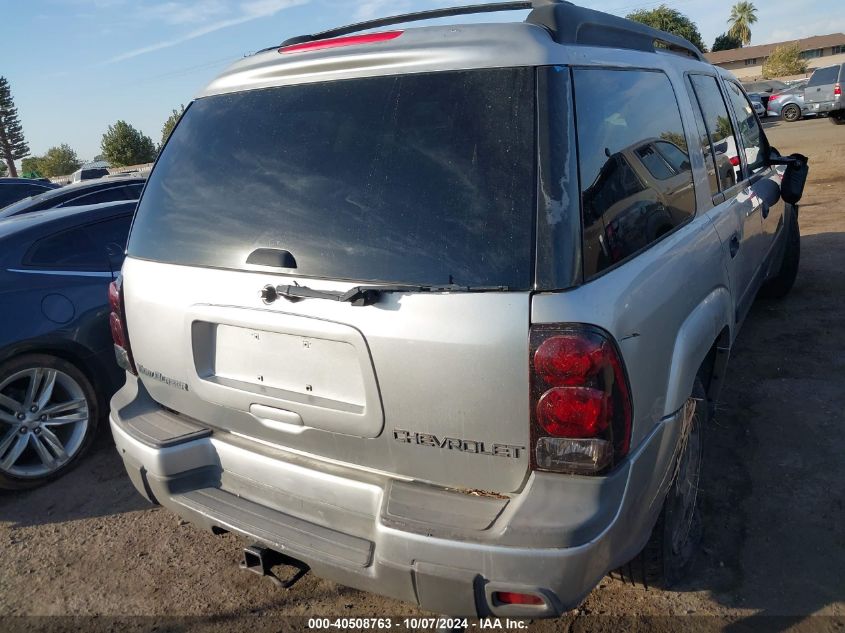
x=824 y=106
x=444 y=550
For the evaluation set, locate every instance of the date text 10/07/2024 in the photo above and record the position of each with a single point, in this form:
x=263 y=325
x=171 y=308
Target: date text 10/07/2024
x=416 y=623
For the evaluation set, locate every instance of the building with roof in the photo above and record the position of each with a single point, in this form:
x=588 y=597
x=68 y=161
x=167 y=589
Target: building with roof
x=747 y=63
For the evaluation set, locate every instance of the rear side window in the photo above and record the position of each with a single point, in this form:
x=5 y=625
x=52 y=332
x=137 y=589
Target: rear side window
x=112 y=194
x=419 y=178
x=703 y=141
x=823 y=76
x=82 y=248
x=10 y=193
x=636 y=180
x=749 y=128
x=722 y=142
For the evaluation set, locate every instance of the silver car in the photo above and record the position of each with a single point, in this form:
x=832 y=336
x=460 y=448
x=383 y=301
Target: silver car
x=423 y=311
x=789 y=104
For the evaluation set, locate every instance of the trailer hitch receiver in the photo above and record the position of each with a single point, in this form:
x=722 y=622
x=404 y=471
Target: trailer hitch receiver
x=261 y=560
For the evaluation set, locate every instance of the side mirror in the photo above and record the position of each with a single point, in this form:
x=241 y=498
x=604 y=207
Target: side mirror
x=795 y=176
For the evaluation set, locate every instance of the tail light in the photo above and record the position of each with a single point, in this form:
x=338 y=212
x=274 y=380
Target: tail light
x=735 y=161
x=837 y=90
x=775 y=96
x=580 y=400
x=117 y=323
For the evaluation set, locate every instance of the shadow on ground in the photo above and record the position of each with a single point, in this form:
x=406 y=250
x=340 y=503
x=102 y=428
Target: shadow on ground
x=98 y=486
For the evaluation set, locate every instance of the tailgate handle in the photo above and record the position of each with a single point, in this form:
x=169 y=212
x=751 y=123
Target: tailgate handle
x=273 y=417
x=275 y=257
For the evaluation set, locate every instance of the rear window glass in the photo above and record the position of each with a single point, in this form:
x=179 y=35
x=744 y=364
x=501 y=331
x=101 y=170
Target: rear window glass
x=423 y=178
x=83 y=247
x=636 y=178
x=10 y=193
x=823 y=76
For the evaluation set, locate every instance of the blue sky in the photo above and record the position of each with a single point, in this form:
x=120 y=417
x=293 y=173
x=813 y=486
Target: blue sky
x=76 y=66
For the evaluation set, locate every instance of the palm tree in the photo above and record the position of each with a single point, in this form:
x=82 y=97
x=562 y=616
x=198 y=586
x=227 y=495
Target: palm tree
x=743 y=15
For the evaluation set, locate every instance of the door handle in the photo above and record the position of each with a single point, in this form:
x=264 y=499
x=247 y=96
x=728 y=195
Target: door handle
x=733 y=245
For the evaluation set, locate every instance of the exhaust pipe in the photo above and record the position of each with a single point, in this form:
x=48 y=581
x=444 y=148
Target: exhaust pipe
x=261 y=560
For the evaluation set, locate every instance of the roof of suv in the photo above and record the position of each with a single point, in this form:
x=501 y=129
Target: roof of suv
x=332 y=55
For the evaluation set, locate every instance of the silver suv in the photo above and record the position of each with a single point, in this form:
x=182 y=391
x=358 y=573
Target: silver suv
x=426 y=312
x=823 y=93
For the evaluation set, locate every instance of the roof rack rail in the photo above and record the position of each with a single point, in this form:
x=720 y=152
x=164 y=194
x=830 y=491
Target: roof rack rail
x=567 y=23
x=571 y=24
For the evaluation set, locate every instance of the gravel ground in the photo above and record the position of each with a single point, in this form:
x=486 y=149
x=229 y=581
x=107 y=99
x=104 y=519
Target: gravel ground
x=773 y=496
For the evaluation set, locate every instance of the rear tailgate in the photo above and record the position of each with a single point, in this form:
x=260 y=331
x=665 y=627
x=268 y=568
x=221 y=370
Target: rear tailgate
x=422 y=179
x=432 y=387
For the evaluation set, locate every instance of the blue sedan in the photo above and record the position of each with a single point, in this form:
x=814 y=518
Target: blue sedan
x=57 y=365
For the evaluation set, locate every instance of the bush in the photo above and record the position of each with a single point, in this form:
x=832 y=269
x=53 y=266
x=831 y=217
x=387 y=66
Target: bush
x=784 y=61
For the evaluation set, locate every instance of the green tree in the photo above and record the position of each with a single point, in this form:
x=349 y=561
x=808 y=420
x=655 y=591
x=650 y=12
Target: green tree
x=723 y=127
x=726 y=42
x=677 y=139
x=123 y=145
x=671 y=21
x=12 y=142
x=743 y=15
x=3 y=169
x=31 y=167
x=785 y=60
x=168 y=126
x=59 y=161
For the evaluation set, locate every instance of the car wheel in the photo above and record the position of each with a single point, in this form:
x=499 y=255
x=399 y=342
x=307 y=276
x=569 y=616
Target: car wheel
x=779 y=286
x=837 y=118
x=674 y=540
x=48 y=418
x=791 y=113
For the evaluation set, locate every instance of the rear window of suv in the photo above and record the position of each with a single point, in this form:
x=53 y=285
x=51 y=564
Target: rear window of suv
x=822 y=76
x=425 y=178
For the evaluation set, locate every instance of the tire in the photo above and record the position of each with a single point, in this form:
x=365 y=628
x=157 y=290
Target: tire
x=43 y=433
x=779 y=286
x=790 y=113
x=673 y=543
x=837 y=118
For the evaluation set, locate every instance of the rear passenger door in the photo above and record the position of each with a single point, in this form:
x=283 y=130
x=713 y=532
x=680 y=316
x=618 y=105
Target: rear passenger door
x=734 y=217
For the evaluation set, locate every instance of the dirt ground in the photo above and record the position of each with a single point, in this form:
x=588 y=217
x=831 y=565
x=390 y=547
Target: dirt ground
x=773 y=496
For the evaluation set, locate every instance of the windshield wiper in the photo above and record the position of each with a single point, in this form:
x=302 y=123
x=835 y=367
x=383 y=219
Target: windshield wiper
x=363 y=295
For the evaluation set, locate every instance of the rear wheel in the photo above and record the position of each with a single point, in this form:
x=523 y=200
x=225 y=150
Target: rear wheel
x=671 y=548
x=779 y=286
x=837 y=118
x=48 y=417
x=790 y=113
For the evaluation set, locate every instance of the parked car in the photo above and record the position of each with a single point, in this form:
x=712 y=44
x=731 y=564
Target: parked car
x=823 y=93
x=14 y=189
x=764 y=88
x=89 y=174
x=789 y=104
x=78 y=194
x=57 y=367
x=360 y=336
x=757 y=103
